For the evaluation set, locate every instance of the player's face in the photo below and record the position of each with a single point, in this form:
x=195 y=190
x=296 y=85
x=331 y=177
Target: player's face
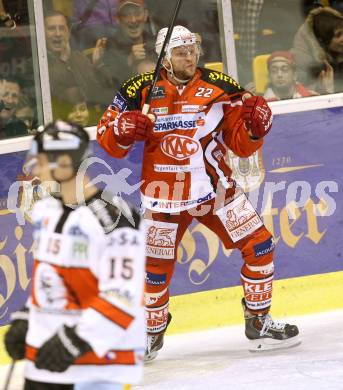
x=57 y=33
x=64 y=170
x=336 y=44
x=39 y=167
x=281 y=74
x=132 y=20
x=184 y=60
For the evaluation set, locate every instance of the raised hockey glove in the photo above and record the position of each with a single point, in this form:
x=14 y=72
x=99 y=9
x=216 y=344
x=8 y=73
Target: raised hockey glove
x=16 y=335
x=61 y=350
x=132 y=126
x=257 y=116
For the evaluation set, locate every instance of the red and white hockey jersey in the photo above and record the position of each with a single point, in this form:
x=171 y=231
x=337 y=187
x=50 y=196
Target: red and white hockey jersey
x=89 y=272
x=184 y=157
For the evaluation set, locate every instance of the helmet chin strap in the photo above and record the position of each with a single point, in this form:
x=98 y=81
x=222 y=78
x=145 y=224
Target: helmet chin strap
x=172 y=74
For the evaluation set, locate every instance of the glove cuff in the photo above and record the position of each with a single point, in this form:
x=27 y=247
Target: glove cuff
x=22 y=314
x=72 y=342
x=125 y=147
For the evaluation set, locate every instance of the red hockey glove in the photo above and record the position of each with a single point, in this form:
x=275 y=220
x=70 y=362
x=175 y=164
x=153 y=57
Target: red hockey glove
x=257 y=115
x=132 y=126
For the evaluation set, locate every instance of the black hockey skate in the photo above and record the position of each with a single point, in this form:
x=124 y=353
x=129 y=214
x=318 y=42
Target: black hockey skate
x=265 y=334
x=155 y=343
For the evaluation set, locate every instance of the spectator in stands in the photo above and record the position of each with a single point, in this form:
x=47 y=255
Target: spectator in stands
x=10 y=125
x=283 y=80
x=91 y=20
x=73 y=107
x=132 y=42
x=69 y=68
x=318 y=51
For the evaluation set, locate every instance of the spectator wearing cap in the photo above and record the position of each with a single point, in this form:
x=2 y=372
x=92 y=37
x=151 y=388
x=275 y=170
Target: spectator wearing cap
x=283 y=79
x=132 y=42
x=318 y=51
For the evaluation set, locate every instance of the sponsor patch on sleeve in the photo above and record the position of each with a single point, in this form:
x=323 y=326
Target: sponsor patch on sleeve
x=155 y=279
x=264 y=247
x=119 y=102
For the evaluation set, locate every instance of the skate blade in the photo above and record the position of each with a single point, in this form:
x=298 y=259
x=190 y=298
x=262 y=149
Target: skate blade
x=150 y=357
x=267 y=344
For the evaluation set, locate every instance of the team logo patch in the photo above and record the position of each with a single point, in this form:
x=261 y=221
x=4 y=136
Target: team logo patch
x=155 y=279
x=239 y=218
x=161 y=238
x=76 y=231
x=264 y=248
x=49 y=290
x=179 y=147
x=119 y=102
x=248 y=172
x=158 y=93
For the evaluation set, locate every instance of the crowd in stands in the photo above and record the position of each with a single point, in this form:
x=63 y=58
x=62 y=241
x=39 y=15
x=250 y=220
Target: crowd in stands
x=95 y=45
x=303 y=38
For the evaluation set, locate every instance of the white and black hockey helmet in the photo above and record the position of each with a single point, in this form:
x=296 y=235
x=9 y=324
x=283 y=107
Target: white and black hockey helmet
x=59 y=138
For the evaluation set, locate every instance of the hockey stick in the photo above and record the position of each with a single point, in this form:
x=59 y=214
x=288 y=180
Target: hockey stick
x=9 y=376
x=146 y=106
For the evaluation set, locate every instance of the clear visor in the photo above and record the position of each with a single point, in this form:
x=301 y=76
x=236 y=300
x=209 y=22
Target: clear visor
x=186 y=50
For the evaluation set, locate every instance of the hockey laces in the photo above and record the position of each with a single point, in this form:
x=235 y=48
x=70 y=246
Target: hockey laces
x=151 y=342
x=270 y=324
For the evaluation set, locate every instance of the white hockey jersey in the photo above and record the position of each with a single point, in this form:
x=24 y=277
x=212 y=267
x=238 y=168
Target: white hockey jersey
x=89 y=272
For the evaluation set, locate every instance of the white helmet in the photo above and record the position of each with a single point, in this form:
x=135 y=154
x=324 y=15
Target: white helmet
x=179 y=37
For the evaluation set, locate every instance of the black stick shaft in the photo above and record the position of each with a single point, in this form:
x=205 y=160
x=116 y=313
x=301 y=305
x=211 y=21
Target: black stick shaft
x=146 y=106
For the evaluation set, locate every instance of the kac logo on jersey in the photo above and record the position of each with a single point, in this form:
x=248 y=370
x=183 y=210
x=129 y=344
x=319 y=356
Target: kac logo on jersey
x=179 y=147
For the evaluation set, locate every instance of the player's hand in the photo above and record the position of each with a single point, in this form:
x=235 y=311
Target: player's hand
x=257 y=116
x=15 y=338
x=132 y=126
x=61 y=350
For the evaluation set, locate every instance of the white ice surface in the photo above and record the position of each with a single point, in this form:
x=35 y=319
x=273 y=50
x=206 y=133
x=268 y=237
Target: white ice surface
x=218 y=359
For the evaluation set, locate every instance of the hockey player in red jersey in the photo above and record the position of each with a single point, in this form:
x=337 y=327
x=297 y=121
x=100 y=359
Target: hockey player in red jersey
x=199 y=115
x=84 y=327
